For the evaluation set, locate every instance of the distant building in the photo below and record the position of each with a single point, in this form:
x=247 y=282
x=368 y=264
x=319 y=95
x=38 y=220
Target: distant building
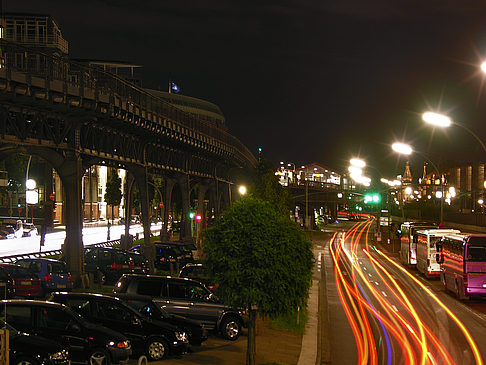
x=313 y=173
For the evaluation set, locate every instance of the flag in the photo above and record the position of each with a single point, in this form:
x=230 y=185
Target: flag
x=174 y=88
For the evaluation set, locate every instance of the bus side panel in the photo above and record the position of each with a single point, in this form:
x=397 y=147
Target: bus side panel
x=476 y=277
x=405 y=250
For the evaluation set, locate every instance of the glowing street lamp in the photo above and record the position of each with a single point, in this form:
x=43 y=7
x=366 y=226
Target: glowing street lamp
x=439 y=120
x=356 y=162
x=442 y=120
x=406 y=149
x=402 y=148
x=242 y=190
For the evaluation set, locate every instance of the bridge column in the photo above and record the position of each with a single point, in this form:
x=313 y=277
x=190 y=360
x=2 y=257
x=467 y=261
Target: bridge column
x=185 y=221
x=141 y=178
x=71 y=175
x=203 y=188
x=168 y=186
x=126 y=242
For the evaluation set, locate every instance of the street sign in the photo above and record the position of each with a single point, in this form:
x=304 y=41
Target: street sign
x=52 y=196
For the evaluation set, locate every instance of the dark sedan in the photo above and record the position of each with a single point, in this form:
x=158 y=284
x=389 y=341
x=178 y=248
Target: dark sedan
x=154 y=339
x=148 y=308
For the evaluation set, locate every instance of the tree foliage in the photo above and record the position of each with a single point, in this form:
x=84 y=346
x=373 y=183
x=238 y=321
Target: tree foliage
x=266 y=187
x=259 y=257
x=113 y=194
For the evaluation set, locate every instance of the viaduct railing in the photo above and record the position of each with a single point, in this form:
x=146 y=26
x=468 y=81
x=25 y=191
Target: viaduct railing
x=58 y=80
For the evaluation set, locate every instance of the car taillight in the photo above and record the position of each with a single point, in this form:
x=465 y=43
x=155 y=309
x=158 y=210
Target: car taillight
x=123 y=345
x=116 y=266
x=70 y=278
x=47 y=278
x=162 y=259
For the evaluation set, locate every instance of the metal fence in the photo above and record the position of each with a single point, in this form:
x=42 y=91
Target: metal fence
x=14 y=258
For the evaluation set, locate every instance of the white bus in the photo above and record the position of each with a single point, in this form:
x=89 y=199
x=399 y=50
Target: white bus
x=427 y=250
x=408 y=240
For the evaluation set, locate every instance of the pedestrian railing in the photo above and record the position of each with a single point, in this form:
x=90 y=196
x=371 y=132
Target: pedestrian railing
x=14 y=258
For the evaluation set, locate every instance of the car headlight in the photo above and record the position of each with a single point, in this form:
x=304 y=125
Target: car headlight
x=61 y=355
x=181 y=336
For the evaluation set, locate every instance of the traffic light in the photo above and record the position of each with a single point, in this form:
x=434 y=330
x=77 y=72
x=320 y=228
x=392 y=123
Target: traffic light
x=192 y=215
x=373 y=198
x=198 y=217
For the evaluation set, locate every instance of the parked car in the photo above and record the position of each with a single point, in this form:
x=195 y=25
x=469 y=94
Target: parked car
x=29 y=230
x=7 y=232
x=30 y=349
x=53 y=274
x=144 y=305
x=186 y=251
x=107 y=264
x=197 y=271
x=140 y=264
x=85 y=341
x=154 y=339
x=165 y=256
x=26 y=284
x=187 y=298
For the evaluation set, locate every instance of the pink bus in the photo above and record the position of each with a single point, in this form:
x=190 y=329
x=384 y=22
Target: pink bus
x=462 y=259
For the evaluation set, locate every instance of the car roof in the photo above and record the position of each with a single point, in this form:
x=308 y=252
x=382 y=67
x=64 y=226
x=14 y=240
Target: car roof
x=86 y=295
x=157 y=277
x=37 y=303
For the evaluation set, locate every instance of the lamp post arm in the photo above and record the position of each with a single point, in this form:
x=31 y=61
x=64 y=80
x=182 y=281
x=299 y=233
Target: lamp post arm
x=472 y=133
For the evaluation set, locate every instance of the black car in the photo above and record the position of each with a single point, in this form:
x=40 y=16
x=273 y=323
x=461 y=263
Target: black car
x=187 y=298
x=144 y=305
x=85 y=341
x=152 y=338
x=107 y=264
x=166 y=258
x=31 y=349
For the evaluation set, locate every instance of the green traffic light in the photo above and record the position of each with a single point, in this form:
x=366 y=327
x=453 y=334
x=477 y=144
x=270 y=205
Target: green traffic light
x=372 y=198
x=191 y=215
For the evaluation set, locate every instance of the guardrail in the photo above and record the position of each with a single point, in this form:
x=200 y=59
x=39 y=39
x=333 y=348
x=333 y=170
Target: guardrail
x=14 y=258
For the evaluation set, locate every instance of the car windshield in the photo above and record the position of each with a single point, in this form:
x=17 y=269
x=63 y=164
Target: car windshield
x=19 y=272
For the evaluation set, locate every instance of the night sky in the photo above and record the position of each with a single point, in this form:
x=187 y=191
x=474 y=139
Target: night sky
x=308 y=81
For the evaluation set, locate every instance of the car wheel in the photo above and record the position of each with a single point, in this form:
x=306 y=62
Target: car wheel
x=230 y=328
x=24 y=360
x=157 y=349
x=99 y=357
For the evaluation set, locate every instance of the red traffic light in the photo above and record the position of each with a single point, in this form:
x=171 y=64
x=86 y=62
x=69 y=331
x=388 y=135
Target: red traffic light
x=198 y=217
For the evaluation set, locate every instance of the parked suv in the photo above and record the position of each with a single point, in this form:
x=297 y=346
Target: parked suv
x=154 y=339
x=85 y=341
x=197 y=272
x=107 y=264
x=187 y=298
x=53 y=274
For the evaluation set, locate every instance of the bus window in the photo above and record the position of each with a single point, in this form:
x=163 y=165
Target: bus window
x=476 y=253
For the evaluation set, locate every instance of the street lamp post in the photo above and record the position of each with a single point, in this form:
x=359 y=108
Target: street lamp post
x=406 y=149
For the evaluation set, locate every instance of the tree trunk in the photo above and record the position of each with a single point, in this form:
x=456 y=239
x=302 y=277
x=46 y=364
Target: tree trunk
x=251 y=347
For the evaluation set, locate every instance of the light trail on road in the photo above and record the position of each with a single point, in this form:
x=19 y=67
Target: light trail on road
x=373 y=312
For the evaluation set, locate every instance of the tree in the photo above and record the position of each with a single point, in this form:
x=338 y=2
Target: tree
x=266 y=187
x=261 y=261
x=113 y=194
